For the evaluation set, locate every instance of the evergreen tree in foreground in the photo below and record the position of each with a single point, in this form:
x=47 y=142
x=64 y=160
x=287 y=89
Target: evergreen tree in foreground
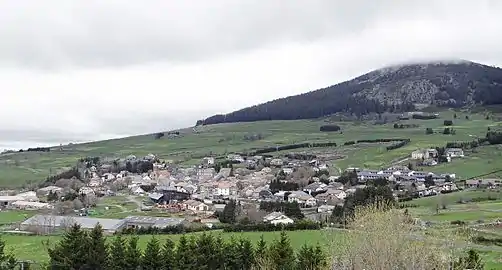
x=117 y=257
x=310 y=258
x=97 y=251
x=281 y=253
x=184 y=255
x=133 y=254
x=151 y=259
x=168 y=255
x=70 y=252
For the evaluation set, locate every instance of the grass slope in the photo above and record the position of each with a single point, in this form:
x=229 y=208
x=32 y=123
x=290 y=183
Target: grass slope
x=17 y=169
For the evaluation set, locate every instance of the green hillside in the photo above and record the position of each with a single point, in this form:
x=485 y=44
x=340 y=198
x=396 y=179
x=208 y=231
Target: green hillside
x=18 y=169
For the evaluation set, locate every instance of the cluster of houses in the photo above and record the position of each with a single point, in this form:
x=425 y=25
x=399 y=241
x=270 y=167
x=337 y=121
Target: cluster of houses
x=429 y=157
x=201 y=190
x=23 y=201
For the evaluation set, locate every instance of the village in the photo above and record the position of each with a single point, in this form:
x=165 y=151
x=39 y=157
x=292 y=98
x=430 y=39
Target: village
x=197 y=194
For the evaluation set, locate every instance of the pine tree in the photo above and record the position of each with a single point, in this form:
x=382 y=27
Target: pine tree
x=184 y=254
x=168 y=255
x=229 y=212
x=205 y=252
x=96 y=250
x=231 y=254
x=151 y=259
x=261 y=250
x=282 y=254
x=246 y=254
x=319 y=258
x=70 y=252
x=133 y=254
x=117 y=254
x=305 y=258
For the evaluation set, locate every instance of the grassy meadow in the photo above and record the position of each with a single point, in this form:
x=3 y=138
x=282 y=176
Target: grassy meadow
x=30 y=247
x=18 y=169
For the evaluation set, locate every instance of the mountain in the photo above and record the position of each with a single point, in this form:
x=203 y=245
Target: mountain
x=391 y=89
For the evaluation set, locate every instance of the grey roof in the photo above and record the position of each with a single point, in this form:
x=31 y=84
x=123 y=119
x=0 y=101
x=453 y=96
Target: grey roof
x=84 y=222
x=159 y=222
x=155 y=196
x=165 y=188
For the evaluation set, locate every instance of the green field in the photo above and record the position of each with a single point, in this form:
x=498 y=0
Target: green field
x=18 y=169
x=34 y=248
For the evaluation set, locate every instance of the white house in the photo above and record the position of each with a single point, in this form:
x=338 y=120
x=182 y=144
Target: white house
x=454 y=152
x=108 y=177
x=195 y=206
x=287 y=171
x=85 y=191
x=302 y=198
x=223 y=189
x=277 y=218
x=424 y=154
x=208 y=161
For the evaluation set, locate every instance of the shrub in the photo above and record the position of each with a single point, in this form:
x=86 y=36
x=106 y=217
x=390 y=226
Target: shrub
x=329 y=128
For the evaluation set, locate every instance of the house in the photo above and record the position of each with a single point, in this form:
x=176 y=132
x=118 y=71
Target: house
x=277 y=162
x=26 y=205
x=336 y=185
x=45 y=224
x=429 y=162
x=156 y=197
x=315 y=187
x=6 y=201
x=325 y=208
x=235 y=158
x=218 y=207
x=207 y=161
x=454 y=152
x=287 y=171
x=331 y=194
x=30 y=196
x=86 y=191
x=195 y=206
x=170 y=193
x=482 y=183
x=277 y=218
x=108 y=177
x=302 y=198
x=223 y=189
x=424 y=154
x=138 y=191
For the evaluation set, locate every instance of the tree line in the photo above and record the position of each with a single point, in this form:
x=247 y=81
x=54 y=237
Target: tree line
x=79 y=249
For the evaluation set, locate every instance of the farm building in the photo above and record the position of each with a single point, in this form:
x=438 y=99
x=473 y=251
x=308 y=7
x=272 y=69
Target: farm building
x=46 y=224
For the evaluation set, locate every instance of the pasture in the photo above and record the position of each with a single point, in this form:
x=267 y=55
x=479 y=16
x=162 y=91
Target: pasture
x=28 y=168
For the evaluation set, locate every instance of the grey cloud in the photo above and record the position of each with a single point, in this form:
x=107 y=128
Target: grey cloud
x=55 y=34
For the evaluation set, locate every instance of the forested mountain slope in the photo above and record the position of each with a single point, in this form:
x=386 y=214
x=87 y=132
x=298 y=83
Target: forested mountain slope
x=392 y=89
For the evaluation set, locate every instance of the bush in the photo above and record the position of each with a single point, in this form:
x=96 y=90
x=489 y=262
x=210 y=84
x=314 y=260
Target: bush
x=458 y=222
x=159 y=135
x=329 y=128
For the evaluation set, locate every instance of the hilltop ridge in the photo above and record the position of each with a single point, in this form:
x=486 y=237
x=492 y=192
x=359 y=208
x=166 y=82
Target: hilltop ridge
x=399 y=88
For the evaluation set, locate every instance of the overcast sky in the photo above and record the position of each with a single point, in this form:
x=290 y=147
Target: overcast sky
x=85 y=70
